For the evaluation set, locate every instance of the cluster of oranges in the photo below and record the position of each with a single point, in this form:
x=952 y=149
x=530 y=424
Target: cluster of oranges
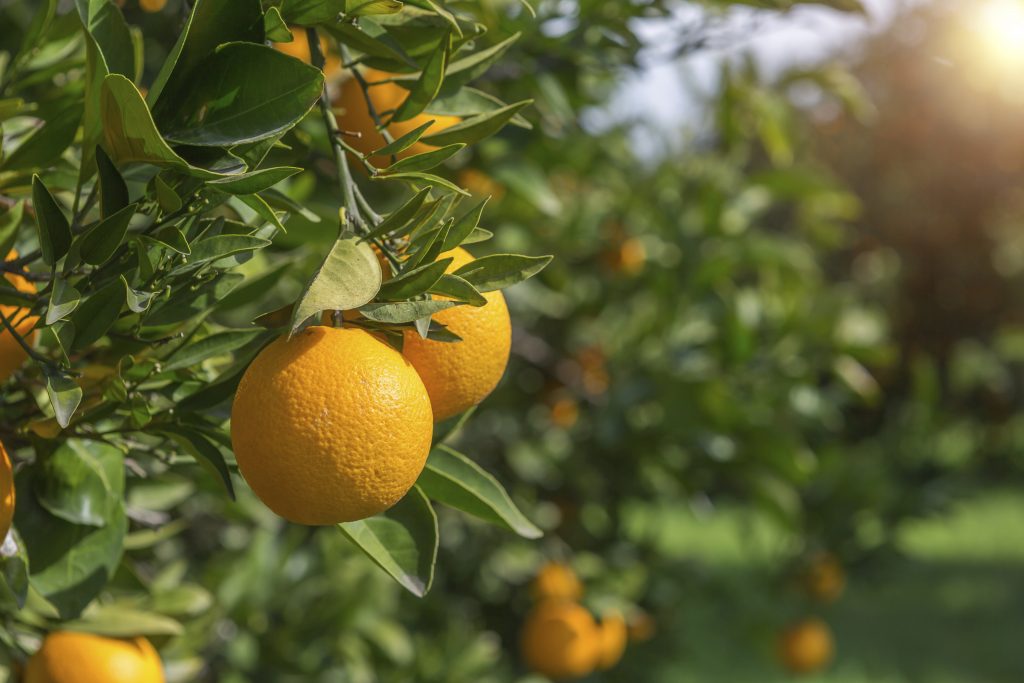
x=561 y=639
x=808 y=645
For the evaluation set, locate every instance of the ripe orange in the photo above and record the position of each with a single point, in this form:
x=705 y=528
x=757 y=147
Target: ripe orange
x=824 y=578
x=299 y=48
x=556 y=581
x=386 y=98
x=806 y=646
x=458 y=375
x=561 y=640
x=565 y=411
x=11 y=353
x=613 y=638
x=70 y=657
x=152 y=6
x=6 y=493
x=331 y=426
x=481 y=184
x=627 y=257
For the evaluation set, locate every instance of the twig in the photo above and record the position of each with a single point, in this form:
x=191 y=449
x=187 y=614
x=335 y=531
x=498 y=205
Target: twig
x=21 y=340
x=370 y=107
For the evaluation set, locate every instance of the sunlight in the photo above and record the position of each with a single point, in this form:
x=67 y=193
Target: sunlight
x=1001 y=31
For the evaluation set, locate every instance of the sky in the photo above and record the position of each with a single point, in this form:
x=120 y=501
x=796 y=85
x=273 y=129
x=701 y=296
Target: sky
x=666 y=92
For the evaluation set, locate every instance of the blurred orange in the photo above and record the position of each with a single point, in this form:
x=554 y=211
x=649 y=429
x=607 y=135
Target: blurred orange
x=299 y=48
x=807 y=646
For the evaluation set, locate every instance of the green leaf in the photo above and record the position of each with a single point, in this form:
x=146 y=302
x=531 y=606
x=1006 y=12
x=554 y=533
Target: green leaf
x=166 y=196
x=37 y=29
x=363 y=8
x=275 y=27
x=46 y=144
x=71 y=563
x=462 y=71
x=95 y=315
x=53 y=226
x=113 y=190
x=64 y=395
x=424 y=178
x=204 y=451
x=464 y=226
x=106 y=26
x=403 y=143
x=422 y=162
x=242 y=93
x=472 y=130
x=219 y=246
x=13 y=573
x=401 y=216
x=215 y=345
x=349 y=277
x=427 y=85
x=63 y=300
x=370 y=38
x=10 y=222
x=415 y=282
x=466 y=102
x=402 y=541
x=454 y=287
x=137 y=301
x=257 y=181
x=404 y=311
x=103 y=239
x=117 y=621
x=498 y=271
x=455 y=480
x=72 y=485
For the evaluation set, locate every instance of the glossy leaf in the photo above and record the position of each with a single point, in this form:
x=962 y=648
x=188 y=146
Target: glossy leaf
x=426 y=86
x=71 y=484
x=474 y=129
x=414 y=282
x=96 y=314
x=113 y=190
x=64 y=299
x=498 y=271
x=349 y=277
x=54 y=229
x=208 y=347
x=103 y=239
x=257 y=181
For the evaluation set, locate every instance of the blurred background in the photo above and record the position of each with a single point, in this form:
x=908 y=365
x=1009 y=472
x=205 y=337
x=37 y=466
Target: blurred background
x=774 y=376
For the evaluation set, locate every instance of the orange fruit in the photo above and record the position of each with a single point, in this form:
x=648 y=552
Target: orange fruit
x=6 y=493
x=806 y=646
x=481 y=184
x=613 y=638
x=299 y=48
x=458 y=375
x=561 y=640
x=824 y=578
x=331 y=426
x=386 y=98
x=11 y=353
x=70 y=657
x=152 y=6
x=565 y=412
x=556 y=581
x=627 y=257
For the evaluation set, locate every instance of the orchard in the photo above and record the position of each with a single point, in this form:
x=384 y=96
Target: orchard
x=359 y=341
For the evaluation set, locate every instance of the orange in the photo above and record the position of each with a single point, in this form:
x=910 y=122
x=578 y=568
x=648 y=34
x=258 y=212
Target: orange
x=613 y=638
x=299 y=48
x=331 y=426
x=642 y=627
x=807 y=646
x=11 y=353
x=627 y=258
x=565 y=412
x=6 y=493
x=70 y=657
x=152 y=6
x=458 y=375
x=556 y=581
x=824 y=578
x=481 y=184
x=561 y=640
x=386 y=98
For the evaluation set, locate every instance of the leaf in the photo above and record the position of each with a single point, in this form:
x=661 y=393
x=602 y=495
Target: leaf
x=166 y=196
x=10 y=222
x=349 y=277
x=13 y=572
x=219 y=246
x=472 y=130
x=363 y=8
x=257 y=181
x=403 y=143
x=45 y=146
x=113 y=191
x=71 y=563
x=242 y=93
x=415 y=282
x=370 y=38
x=54 y=229
x=95 y=315
x=208 y=347
x=103 y=239
x=404 y=311
x=462 y=71
x=64 y=394
x=137 y=301
x=427 y=85
x=422 y=162
x=455 y=480
x=466 y=102
x=464 y=226
x=402 y=541
x=106 y=26
x=426 y=178
x=498 y=271
x=116 y=621
x=71 y=484
x=454 y=287
x=275 y=27
x=206 y=453
x=63 y=300
x=401 y=216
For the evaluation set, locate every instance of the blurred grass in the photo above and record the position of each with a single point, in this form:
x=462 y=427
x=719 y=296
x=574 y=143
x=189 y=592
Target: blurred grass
x=949 y=609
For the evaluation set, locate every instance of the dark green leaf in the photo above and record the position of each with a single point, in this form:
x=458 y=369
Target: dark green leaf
x=414 y=282
x=401 y=216
x=166 y=196
x=275 y=27
x=214 y=248
x=103 y=239
x=205 y=452
x=457 y=289
x=10 y=221
x=115 y=621
x=113 y=191
x=464 y=226
x=53 y=226
x=405 y=142
x=404 y=311
x=402 y=541
x=95 y=315
x=257 y=181
x=208 y=347
x=426 y=86
x=72 y=484
x=425 y=178
x=45 y=145
x=474 y=129
x=498 y=271
x=455 y=480
x=63 y=300
x=422 y=162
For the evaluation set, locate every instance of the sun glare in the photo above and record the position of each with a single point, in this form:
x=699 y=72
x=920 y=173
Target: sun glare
x=1001 y=31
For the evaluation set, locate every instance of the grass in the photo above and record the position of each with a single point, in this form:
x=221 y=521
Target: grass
x=951 y=610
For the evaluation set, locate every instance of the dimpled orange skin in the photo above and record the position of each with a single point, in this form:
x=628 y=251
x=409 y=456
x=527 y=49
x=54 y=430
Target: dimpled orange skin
x=6 y=493
x=561 y=640
x=386 y=98
x=556 y=581
x=331 y=426
x=458 y=375
x=70 y=657
x=11 y=353
x=807 y=646
x=613 y=637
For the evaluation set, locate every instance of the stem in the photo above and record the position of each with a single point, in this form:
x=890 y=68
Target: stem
x=334 y=136
x=370 y=107
x=21 y=340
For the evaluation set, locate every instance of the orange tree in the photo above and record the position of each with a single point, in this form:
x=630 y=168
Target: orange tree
x=172 y=172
